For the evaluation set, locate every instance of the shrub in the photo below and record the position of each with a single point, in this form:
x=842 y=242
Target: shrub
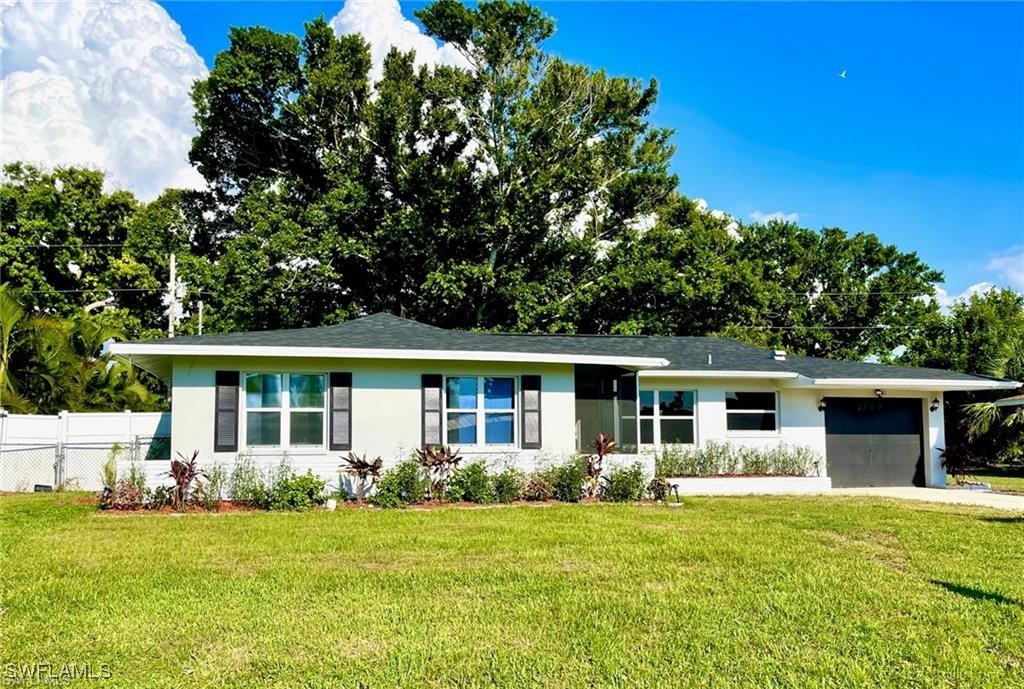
x=623 y=484
x=659 y=488
x=722 y=459
x=159 y=497
x=507 y=485
x=137 y=477
x=400 y=486
x=602 y=446
x=124 y=495
x=184 y=472
x=471 y=484
x=246 y=485
x=366 y=471
x=438 y=463
x=957 y=460
x=208 y=494
x=567 y=481
x=537 y=487
x=297 y=491
x=108 y=475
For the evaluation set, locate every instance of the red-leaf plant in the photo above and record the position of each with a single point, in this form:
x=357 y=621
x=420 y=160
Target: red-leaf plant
x=184 y=471
x=439 y=462
x=602 y=446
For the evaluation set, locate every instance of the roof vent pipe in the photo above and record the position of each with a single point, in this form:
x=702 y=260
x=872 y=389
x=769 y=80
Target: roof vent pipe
x=780 y=355
x=710 y=363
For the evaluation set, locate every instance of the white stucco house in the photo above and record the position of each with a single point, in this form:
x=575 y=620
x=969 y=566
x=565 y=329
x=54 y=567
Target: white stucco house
x=384 y=385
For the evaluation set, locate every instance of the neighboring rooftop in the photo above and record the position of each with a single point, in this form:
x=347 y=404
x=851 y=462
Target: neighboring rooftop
x=384 y=331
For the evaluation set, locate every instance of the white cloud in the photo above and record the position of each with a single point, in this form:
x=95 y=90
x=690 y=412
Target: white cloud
x=382 y=24
x=99 y=83
x=761 y=217
x=1010 y=267
x=945 y=299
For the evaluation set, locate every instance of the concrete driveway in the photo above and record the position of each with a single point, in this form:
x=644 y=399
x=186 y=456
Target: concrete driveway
x=998 y=501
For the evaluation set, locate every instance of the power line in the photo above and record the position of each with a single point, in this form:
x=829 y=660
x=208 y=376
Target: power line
x=30 y=245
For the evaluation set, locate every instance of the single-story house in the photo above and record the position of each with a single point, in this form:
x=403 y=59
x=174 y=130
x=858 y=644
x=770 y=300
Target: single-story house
x=384 y=385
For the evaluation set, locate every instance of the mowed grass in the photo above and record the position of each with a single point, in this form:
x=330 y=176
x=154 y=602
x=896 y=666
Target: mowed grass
x=751 y=592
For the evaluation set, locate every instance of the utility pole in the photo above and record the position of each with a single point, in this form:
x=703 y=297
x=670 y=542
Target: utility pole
x=172 y=292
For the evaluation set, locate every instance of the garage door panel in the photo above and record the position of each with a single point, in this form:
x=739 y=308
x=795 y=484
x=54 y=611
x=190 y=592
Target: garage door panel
x=871 y=442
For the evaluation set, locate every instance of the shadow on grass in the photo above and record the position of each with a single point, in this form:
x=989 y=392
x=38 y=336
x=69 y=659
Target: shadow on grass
x=978 y=594
x=1004 y=520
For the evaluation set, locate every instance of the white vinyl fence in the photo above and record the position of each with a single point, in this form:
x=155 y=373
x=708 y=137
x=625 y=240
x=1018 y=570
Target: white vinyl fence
x=69 y=449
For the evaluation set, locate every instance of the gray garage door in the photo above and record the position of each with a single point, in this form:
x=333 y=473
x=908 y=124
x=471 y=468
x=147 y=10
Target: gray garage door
x=874 y=442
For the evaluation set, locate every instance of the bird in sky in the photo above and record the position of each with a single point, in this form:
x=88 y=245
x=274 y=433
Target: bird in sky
x=842 y=75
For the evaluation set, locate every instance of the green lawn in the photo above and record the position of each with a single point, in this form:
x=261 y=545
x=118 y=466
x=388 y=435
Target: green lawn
x=1004 y=484
x=752 y=592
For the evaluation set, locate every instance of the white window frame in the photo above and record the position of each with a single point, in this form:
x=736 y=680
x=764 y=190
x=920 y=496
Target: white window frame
x=657 y=417
x=285 y=411
x=481 y=413
x=775 y=412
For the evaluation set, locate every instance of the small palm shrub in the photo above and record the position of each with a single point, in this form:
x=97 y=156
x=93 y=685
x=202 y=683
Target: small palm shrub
x=400 y=486
x=508 y=485
x=567 y=481
x=537 y=487
x=471 y=483
x=602 y=446
x=623 y=484
x=957 y=460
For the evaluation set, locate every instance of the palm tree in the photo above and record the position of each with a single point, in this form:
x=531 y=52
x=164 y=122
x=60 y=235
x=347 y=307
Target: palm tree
x=32 y=353
x=1008 y=363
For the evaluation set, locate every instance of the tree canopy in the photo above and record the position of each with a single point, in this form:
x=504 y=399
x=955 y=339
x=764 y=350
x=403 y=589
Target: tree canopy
x=522 y=193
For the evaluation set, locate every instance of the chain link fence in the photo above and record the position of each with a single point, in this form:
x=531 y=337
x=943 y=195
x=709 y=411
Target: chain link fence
x=74 y=465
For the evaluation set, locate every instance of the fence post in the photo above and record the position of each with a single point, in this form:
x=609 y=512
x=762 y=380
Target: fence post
x=3 y=438
x=60 y=460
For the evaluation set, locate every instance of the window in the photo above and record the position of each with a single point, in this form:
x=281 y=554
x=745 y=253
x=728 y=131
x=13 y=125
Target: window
x=282 y=406
x=667 y=417
x=751 y=411
x=480 y=410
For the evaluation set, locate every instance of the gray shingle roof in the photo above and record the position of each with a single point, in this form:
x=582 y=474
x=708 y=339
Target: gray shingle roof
x=385 y=331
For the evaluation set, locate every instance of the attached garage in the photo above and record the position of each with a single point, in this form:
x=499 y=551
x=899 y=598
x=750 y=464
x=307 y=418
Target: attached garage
x=874 y=442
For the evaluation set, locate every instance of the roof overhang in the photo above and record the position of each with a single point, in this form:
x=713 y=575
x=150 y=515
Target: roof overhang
x=157 y=358
x=1015 y=401
x=932 y=385
x=768 y=375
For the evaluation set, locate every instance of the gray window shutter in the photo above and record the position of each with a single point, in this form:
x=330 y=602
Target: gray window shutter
x=341 y=411
x=225 y=414
x=531 y=412
x=433 y=408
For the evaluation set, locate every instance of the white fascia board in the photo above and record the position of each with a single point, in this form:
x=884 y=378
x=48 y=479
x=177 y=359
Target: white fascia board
x=913 y=384
x=125 y=349
x=775 y=375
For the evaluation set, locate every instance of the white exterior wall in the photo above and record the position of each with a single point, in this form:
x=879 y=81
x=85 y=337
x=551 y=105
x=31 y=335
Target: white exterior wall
x=799 y=421
x=386 y=410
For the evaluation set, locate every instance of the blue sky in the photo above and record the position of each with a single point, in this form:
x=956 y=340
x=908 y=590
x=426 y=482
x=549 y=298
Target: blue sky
x=922 y=143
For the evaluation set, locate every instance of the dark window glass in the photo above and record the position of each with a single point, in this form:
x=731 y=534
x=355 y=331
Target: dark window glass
x=307 y=428
x=676 y=431
x=676 y=403
x=750 y=422
x=749 y=400
x=646 y=403
x=647 y=431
